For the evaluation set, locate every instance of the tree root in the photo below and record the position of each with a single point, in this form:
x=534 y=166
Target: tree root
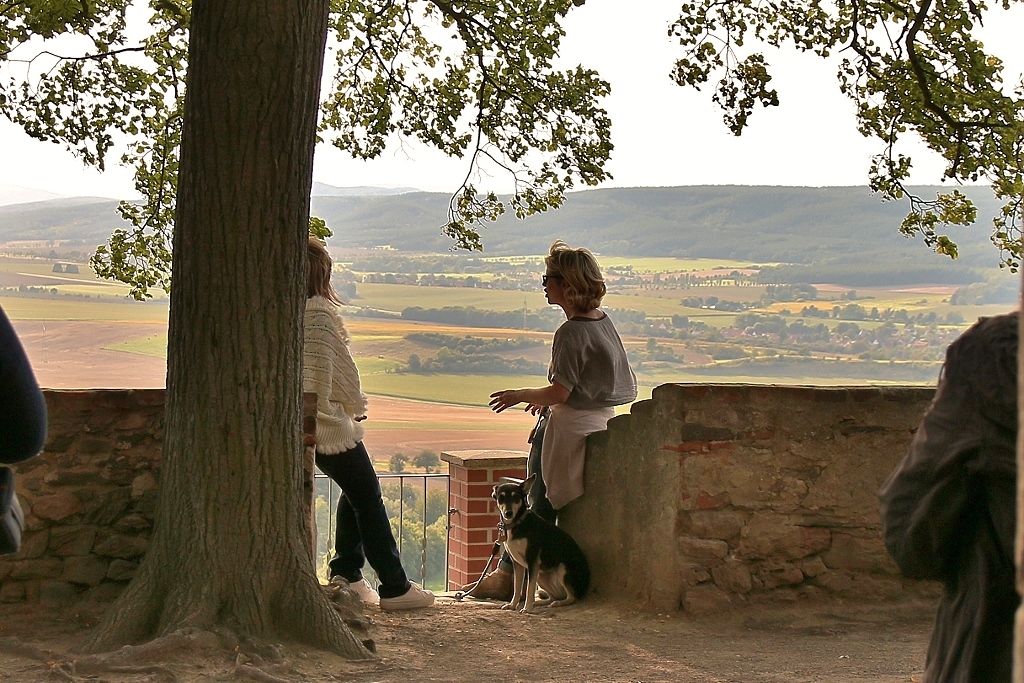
x=254 y=661
x=88 y=667
x=16 y=647
x=255 y=674
x=88 y=671
x=254 y=668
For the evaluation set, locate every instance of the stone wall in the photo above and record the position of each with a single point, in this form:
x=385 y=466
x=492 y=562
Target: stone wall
x=88 y=498
x=704 y=497
x=710 y=496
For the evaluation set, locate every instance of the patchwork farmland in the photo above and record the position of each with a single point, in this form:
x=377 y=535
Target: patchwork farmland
x=432 y=346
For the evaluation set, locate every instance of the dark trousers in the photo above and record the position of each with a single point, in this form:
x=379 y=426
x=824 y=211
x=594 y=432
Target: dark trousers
x=538 y=498
x=362 y=531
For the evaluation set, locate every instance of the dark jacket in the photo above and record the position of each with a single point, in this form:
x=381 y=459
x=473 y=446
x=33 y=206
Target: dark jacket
x=22 y=407
x=949 y=509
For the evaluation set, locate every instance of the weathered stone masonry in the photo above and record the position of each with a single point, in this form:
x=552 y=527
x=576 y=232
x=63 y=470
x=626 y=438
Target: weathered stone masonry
x=710 y=496
x=88 y=498
x=705 y=497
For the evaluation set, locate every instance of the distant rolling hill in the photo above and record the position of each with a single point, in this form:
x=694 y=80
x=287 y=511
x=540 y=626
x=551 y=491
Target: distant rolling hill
x=15 y=194
x=840 y=227
x=325 y=190
x=88 y=220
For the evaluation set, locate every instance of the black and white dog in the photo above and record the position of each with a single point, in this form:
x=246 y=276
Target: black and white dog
x=541 y=552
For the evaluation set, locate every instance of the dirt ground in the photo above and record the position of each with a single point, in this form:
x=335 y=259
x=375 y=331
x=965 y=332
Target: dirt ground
x=68 y=354
x=479 y=428
x=472 y=641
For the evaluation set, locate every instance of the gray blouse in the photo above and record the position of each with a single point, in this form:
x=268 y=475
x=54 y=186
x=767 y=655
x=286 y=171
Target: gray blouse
x=588 y=359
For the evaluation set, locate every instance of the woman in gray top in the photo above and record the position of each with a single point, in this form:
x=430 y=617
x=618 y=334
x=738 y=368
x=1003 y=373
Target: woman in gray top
x=588 y=376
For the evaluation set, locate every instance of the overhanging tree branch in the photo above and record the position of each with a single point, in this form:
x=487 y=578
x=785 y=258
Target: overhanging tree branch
x=916 y=70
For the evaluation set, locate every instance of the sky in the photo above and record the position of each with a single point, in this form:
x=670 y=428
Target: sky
x=664 y=135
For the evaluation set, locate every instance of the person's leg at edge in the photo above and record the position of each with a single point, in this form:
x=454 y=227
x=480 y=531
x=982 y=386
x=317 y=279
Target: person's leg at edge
x=353 y=472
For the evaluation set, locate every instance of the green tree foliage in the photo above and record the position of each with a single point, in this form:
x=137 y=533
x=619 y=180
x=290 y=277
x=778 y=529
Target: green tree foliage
x=475 y=80
x=428 y=460
x=470 y=344
x=473 y=355
x=910 y=68
x=420 y=527
x=115 y=89
x=456 y=362
x=795 y=292
x=981 y=293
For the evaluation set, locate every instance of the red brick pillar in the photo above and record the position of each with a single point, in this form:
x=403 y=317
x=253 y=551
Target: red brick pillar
x=474 y=522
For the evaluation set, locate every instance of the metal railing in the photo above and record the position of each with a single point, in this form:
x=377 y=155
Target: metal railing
x=417 y=505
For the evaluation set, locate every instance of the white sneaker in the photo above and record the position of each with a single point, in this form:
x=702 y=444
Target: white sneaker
x=413 y=598
x=365 y=592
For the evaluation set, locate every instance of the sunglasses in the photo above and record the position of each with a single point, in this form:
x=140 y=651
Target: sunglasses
x=544 y=279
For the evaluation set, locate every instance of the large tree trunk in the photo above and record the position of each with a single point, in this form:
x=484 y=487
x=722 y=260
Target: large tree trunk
x=228 y=552
x=1018 y=631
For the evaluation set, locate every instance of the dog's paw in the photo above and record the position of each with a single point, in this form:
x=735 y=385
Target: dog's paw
x=508 y=605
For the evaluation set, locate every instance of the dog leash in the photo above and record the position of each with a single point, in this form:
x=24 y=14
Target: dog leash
x=459 y=595
x=502 y=533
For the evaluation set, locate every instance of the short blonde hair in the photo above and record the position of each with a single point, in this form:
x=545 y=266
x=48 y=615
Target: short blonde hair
x=318 y=281
x=581 y=275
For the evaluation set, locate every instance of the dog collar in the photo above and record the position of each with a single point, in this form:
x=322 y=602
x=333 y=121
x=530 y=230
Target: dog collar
x=505 y=527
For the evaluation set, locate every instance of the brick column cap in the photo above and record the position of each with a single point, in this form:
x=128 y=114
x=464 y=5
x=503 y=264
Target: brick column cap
x=485 y=459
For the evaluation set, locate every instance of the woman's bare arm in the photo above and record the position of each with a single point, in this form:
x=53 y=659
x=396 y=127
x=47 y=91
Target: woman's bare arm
x=535 y=399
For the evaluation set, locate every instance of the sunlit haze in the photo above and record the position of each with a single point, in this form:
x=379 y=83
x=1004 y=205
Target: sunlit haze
x=664 y=135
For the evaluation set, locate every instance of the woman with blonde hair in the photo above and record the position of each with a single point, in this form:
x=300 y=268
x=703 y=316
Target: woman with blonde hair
x=363 y=531
x=588 y=375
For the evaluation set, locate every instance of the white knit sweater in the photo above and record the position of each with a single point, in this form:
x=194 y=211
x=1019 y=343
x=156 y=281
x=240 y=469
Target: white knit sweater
x=329 y=371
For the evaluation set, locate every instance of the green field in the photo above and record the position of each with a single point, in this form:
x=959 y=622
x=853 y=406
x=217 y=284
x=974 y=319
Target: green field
x=398 y=297
x=661 y=307
x=650 y=265
x=68 y=308
x=154 y=345
x=470 y=390
x=372 y=365
x=640 y=265
x=39 y=273
x=384 y=349
x=496 y=426
x=44 y=268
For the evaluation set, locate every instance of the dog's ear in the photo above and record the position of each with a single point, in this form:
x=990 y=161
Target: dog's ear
x=494 y=492
x=528 y=482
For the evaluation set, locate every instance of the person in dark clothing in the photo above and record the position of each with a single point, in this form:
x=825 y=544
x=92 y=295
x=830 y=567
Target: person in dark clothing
x=22 y=406
x=949 y=509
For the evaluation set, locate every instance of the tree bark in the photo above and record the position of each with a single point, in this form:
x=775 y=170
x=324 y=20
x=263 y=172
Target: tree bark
x=229 y=552
x=1018 y=631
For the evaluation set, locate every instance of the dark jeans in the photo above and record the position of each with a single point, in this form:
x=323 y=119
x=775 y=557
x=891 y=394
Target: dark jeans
x=538 y=498
x=363 y=531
